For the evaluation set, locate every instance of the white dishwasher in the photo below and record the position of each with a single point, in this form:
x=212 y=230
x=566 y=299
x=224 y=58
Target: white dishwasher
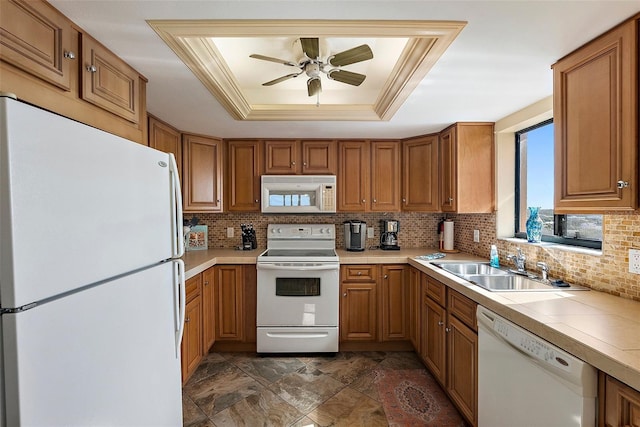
x=524 y=381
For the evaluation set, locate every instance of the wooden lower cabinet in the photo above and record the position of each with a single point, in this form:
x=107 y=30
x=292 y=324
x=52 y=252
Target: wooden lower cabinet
x=229 y=289
x=449 y=343
x=415 y=306
x=191 y=347
x=394 y=302
x=619 y=403
x=358 y=311
x=208 y=309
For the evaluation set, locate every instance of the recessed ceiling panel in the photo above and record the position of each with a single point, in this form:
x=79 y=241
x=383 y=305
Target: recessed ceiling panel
x=218 y=53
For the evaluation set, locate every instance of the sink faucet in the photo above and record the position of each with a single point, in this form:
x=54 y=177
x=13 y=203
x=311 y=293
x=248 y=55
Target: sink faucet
x=519 y=261
x=544 y=268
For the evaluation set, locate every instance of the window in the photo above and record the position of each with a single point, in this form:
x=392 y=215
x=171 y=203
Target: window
x=535 y=186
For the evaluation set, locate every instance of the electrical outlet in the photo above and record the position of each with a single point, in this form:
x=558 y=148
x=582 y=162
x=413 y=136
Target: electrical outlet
x=476 y=236
x=229 y=231
x=634 y=261
x=370 y=234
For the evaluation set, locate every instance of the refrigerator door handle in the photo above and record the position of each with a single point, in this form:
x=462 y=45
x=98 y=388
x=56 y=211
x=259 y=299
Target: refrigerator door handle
x=176 y=209
x=180 y=301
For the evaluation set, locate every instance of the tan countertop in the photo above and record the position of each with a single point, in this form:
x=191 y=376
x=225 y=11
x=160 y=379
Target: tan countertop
x=601 y=329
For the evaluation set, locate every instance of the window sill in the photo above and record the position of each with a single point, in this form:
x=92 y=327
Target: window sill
x=556 y=246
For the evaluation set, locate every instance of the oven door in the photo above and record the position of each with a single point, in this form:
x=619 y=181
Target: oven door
x=298 y=294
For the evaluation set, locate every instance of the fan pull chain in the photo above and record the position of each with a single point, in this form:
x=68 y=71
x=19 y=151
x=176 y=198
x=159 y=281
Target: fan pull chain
x=317 y=99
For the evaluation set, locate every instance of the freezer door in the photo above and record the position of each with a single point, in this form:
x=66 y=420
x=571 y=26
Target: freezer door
x=78 y=205
x=105 y=356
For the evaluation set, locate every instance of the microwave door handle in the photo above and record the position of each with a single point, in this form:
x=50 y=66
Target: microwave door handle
x=319 y=267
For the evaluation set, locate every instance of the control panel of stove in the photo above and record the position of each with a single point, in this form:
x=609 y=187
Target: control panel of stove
x=301 y=231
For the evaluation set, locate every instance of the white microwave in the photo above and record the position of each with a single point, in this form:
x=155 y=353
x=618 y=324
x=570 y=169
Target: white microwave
x=298 y=193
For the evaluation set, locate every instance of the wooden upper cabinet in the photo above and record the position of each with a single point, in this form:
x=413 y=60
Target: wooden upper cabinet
x=595 y=109
x=385 y=176
x=420 y=174
x=108 y=82
x=37 y=39
x=164 y=137
x=467 y=162
x=353 y=175
x=202 y=183
x=244 y=160
x=300 y=157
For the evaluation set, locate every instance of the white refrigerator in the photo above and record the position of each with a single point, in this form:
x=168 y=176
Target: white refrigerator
x=91 y=287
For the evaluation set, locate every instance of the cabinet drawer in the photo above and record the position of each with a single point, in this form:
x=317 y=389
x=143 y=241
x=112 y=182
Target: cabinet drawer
x=359 y=273
x=193 y=287
x=463 y=308
x=436 y=291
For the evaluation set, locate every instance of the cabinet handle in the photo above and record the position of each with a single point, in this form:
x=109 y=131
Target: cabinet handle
x=344 y=295
x=92 y=68
x=623 y=184
x=450 y=199
x=447 y=330
x=440 y=323
x=69 y=54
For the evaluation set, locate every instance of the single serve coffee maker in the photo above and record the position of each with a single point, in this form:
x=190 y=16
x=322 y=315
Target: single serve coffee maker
x=355 y=235
x=389 y=235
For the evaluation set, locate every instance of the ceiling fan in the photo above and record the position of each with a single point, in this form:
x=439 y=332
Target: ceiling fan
x=312 y=65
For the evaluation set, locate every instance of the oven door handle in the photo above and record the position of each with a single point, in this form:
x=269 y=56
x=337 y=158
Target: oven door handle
x=312 y=267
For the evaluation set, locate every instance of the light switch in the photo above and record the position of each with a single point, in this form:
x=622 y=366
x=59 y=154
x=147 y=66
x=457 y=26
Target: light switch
x=476 y=235
x=634 y=261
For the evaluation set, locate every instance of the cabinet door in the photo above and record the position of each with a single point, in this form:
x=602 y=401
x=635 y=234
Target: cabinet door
x=394 y=303
x=415 y=277
x=243 y=176
x=448 y=196
x=621 y=404
x=385 y=176
x=166 y=138
x=202 y=185
x=462 y=381
x=433 y=338
x=108 y=82
x=420 y=174
x=358 y=308
x=250 y=280
x=191 y=349
x=353 y=176
x=281 y=157
x=208 y=309
x=596 y=124
x=230 y=301
x=319 y=157
x=37 y=39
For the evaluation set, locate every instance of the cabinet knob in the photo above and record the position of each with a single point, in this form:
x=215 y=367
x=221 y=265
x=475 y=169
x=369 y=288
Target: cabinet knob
x=440 y=323
x=364 y=201
x=344 y=295
x=386 y=276
x=206 y=282
x=623 y=184
x=217 y=200
x=257 y=201
x=447 y=330
x=375 y=201
x=404 y=200
x=92 y=68
x=304 y=163
x=187 y=319
x=359 y=273
x=450 y=199
x=69 y=55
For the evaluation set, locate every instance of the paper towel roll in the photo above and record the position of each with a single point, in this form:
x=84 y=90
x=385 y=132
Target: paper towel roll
x=448 y=235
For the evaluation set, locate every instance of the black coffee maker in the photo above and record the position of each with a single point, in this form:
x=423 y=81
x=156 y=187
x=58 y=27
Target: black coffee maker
x=389 y=235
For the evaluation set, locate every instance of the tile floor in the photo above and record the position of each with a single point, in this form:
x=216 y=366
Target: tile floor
x=241 y=389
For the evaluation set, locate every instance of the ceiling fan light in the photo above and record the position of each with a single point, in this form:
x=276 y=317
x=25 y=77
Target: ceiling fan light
x=314 y=86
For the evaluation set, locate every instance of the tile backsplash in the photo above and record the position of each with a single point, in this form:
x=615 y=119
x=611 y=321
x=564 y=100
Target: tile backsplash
x=608 y=272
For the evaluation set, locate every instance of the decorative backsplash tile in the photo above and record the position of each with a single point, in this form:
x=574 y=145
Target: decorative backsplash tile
x=608 y=272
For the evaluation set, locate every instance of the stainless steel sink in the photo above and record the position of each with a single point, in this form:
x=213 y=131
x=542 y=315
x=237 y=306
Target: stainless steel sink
x=495 y=279
x=470 y=268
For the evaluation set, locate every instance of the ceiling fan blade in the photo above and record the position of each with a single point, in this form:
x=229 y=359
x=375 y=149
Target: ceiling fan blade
x=271 y=59
x=314 y=86
x=281 y=79
x=310 y=47
x=347 y=77
x=351 y=56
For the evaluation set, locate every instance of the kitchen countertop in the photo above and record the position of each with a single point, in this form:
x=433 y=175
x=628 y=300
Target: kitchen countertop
x=601 y=329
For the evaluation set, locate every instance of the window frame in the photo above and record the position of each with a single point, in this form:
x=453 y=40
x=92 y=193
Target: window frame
x=559 y=221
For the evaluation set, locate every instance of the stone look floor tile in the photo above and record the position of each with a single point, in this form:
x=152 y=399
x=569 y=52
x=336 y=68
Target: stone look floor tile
x=269 y=370
x=366 y=384
x=306 y=388
x=349 y=408
x=257 y=410
x=402 y=360
x=346 y=367
x=191 y=413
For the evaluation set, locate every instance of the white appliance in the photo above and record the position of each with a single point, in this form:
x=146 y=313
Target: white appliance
x=297 y=194
x=91 y=295
x=524 y=381
x=298 y=290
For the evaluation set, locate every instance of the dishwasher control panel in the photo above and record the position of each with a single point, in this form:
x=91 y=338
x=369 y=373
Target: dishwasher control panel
x=531 y=345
